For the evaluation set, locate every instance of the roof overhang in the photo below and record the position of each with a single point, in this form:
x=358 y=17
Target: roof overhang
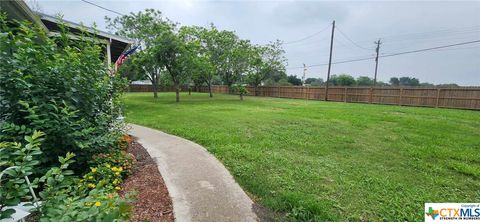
x=19 y=10
x=118 y=44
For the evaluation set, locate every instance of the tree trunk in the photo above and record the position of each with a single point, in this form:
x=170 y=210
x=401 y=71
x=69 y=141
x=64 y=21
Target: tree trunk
x=189 y=91
x=210 y=90
x=241 y=97
x=154 y=86
x=256 y=90
x=177 y=93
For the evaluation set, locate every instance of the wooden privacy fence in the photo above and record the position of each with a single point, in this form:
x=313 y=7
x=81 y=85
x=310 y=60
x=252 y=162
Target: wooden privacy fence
x=463 y=98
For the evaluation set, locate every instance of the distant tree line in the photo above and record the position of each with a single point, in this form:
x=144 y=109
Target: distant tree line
x=348 y=80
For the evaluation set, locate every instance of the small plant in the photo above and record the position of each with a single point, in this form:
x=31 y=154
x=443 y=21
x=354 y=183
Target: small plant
x=240 y=89
x=13 y=186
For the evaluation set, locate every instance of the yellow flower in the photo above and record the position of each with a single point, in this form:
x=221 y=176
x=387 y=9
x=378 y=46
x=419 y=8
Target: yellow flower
x=91 y=185
x=115 y=182
x=117 y=188
x=90 y=177
x=98 y=204
x=114 y=168
x=94 y=169
x=120 y=169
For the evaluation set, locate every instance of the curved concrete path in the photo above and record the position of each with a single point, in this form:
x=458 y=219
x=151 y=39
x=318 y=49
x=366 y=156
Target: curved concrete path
x=199 y=185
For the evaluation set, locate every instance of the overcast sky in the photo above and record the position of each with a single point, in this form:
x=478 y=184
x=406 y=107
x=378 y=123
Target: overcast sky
x=402 y=26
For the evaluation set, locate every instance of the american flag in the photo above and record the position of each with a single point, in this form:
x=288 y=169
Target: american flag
x=124 y=56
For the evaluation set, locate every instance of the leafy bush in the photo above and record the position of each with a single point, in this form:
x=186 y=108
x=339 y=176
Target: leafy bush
x=61 y=87
x=240 y=89
x=13 y=187
x=64 y=198
x=66 y=202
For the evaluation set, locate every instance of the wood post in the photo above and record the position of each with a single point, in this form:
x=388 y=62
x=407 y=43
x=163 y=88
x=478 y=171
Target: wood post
x=400 y=99
x=370 y=92
x=345 y=95
x=438 y=97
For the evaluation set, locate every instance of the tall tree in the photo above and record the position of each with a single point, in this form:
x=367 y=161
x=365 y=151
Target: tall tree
x=147 y=28
x=206 y=56
x=265 y=61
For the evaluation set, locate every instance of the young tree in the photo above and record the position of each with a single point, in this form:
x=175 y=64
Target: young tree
x=228 y=53
x=265 y=61
x=147 y=28
x=176 y=56
x=206 y=56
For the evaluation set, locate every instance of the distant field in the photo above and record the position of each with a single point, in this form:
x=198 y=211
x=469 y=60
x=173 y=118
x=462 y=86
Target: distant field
x=313 y=160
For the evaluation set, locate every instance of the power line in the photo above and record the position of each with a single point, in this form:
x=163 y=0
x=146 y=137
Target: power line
x=432 y=48
x=350 y=40
x=391 y=54
x=99 y=6
x=305 y=38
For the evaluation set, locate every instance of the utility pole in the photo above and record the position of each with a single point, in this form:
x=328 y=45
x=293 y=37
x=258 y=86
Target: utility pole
x=304 y=71
x=329 y=61
x=376 y=61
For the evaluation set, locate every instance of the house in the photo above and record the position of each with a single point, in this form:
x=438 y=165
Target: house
x=114 y=45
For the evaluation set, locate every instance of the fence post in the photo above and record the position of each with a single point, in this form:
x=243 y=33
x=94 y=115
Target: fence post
x=370 y=92
x=345 y=95
x=307 y=90
x=438 y=97
x=326 y=94
x=400 y=99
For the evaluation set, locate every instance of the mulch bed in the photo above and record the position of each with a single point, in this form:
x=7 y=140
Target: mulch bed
x=153 y=202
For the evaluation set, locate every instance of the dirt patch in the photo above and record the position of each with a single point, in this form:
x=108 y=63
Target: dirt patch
x=153 y=201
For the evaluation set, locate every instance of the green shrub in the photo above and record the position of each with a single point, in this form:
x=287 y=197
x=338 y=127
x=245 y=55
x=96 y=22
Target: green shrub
x=61 y=87
x=13 y=186
x=66 y=199
x=240 y=89
x=63 y=195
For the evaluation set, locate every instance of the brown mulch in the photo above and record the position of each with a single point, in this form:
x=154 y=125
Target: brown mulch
x=153 y=202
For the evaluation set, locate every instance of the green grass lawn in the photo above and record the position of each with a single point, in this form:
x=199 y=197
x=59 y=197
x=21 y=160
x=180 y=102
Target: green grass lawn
x=313 y=160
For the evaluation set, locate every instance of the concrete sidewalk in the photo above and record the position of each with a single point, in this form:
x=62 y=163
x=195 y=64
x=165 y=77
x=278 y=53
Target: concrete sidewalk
x=200 y=186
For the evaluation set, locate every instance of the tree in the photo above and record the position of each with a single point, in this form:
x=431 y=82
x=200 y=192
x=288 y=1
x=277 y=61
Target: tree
x=408 y=81
x=147 y=28
x=318 y=82
x=314 y=81
x=394 y=81
x=265 y=61
x=129 y=71
x=207 y=56
x=342 y=80
x=177 y=55
x=294 y=80
x=310 y=80
x=364 y=81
